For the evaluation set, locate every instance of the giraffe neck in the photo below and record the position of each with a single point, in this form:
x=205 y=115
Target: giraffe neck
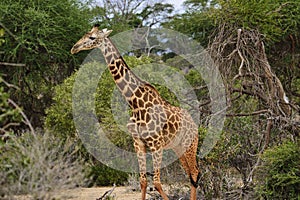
x=126 y=81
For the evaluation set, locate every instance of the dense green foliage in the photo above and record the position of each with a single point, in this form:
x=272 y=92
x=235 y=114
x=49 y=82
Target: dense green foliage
x=274 y=19
x=38 y=37
x=279 y=175
x=59 y=115
x=103 y=175
x=9 y=116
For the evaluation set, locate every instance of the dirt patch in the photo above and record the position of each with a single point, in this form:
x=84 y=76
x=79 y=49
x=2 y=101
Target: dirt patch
x=119 y=193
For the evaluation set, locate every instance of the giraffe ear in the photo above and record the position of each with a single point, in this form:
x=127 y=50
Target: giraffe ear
x=106 y=32
x=95 y=28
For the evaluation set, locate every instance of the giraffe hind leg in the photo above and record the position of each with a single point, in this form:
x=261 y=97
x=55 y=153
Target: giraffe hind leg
x=193 y=182
x=190 y=156
x=189 y=163
x=157 y=158
x=191 y=174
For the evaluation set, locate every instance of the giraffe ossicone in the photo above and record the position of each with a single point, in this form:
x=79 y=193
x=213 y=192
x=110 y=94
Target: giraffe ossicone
x=154 y=124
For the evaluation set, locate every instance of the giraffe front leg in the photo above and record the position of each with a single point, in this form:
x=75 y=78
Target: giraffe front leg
x=140 y=150
x=157 y=158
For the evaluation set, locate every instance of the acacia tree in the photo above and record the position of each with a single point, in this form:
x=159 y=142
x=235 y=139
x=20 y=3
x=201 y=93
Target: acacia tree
x=35 y=53
x=123 y=15
x=196 y=21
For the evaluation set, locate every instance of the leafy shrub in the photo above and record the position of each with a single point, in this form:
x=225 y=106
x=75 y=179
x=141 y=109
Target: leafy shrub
x=9 y=116
x=102 y=175
x=279 y=175
x=274 y=19
x=59 y=120
x=59 y=116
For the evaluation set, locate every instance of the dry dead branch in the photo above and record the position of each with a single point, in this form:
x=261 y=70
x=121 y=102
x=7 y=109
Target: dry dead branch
x=254 y=92
x=26 y=120
x=13 y=64
x=242 y=60
x=107 y=194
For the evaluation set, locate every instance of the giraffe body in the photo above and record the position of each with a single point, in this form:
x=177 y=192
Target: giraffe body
x=154 y=124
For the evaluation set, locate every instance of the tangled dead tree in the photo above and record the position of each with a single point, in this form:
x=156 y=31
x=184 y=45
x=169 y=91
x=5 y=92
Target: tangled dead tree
x=253 y=92
x=244 y=65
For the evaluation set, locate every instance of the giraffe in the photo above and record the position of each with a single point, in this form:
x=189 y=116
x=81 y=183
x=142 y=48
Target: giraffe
x=154 y=124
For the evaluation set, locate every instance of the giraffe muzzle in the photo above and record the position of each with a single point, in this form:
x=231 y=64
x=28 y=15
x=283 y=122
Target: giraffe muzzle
x=75 y=49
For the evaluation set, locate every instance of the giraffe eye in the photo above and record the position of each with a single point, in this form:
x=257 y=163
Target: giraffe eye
x=92 y=38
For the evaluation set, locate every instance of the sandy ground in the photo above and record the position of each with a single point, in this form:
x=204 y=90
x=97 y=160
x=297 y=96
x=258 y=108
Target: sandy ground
x=119 y=193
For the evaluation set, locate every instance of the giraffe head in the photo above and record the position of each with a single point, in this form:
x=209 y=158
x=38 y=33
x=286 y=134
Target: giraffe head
x=91 y=40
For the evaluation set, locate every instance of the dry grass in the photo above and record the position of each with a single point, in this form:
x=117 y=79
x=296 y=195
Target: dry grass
x=38 y=165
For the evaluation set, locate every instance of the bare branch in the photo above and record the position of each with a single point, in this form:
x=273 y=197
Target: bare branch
x=107 y=193
x=13 y=64
x=135 y=7
x=3 y=130
x=267 y=139
x=247 y=114
x=8 y=31
x=8 y=84
x=10 y=124
x=248 y=92
x=26 y=121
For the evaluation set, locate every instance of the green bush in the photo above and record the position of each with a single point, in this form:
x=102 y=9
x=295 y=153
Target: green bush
x=59 y=116
x=272 y=18
x=10 y=117
x=102 y=175
x=279 y=175
x=59 y=120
